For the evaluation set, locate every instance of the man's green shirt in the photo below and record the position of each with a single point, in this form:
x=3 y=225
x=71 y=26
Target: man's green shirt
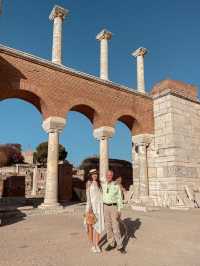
x=112 y=194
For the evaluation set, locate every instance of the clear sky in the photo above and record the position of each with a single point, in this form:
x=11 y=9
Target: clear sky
x=169 y=29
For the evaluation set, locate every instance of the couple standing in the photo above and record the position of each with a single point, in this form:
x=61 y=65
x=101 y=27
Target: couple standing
x=104 y=201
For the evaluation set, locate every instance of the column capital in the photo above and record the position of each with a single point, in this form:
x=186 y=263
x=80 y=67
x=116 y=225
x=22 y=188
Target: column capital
x=103 y=132
x=58 y=11
x=104 y=34
x=54 y=124
x=142 y=139
x=140 y=52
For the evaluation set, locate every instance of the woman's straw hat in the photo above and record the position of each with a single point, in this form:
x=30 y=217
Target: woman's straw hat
x=93 y=171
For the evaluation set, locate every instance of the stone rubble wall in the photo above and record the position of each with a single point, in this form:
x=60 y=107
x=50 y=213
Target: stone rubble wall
x=65 y=179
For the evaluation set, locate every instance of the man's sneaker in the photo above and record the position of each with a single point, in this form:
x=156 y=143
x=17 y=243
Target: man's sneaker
x=93 y=249
x=98 y=250
x=109 y=247
x=122 y=250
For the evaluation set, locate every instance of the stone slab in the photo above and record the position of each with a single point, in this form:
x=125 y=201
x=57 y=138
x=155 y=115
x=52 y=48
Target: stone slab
x=183 y=208
x=189 y=192
x=139 y=208
x=197 y=199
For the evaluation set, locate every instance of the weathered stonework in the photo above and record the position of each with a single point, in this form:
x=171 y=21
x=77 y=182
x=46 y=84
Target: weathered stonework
x=139 y=54
x=35 y=181
x=103 y=37
x=173 y=157
x=163 y=168
x=57 y=15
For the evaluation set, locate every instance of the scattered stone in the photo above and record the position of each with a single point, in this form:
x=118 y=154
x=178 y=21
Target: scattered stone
x=189 y=193
x=197 y=199
x=188 y=203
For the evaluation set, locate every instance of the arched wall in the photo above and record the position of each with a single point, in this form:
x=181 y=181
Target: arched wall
x=55 y=90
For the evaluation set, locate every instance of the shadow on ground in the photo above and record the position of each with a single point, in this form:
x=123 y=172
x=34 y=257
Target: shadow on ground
x=11 y=217
x=128 y=228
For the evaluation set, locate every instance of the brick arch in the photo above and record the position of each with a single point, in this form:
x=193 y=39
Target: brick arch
x=128 y=120
x=26 y=96
x=88 y=108
x=14 y=84
x=55 y=90
x=131 y=120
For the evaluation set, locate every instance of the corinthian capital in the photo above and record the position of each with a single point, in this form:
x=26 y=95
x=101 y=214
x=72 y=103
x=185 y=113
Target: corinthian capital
x=58 y=11
x=140 y=52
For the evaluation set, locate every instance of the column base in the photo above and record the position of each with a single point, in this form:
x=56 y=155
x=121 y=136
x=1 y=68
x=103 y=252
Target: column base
x=49 y=206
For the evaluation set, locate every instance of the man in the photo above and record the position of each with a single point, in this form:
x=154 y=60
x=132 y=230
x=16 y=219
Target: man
x=112 y=199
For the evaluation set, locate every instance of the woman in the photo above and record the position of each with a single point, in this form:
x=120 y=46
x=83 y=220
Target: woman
x=95 y=205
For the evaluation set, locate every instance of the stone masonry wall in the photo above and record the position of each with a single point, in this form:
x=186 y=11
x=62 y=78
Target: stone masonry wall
x=174 y=154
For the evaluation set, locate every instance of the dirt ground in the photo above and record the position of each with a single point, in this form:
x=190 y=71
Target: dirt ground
x=161 y=238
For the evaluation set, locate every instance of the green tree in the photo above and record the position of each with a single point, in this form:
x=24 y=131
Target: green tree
x=40 y=155
x=10 y=154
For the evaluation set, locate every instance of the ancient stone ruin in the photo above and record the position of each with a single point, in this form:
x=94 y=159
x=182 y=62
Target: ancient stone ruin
x=164 y=124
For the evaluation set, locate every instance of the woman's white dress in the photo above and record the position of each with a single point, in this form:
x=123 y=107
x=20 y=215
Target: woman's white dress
x=95 y=201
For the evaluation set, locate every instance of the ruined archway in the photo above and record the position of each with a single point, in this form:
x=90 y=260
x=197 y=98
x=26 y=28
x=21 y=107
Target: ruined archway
x=122 y=139
x=21 y=122
x=56 y=90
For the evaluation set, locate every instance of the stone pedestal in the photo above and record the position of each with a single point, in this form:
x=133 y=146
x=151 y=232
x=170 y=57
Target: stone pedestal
x=53 y=126
x=103 y=134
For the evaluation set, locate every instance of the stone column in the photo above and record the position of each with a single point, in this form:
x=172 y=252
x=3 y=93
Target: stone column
x=17 y=169
x=135 y=165
x=53 y=126
x=141 y=143
x=139 y=54
x=57 y=15
x=34 y=184
x=103 y=134
x=103 y=37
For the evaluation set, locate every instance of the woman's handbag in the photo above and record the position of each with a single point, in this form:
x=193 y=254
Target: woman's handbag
x=90 y=218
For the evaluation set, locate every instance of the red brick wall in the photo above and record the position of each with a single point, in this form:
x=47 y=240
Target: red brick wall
x=55 y=91
x=175 y=86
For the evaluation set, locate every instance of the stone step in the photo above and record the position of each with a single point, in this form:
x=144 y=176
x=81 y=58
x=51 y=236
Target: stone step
x=180 y=208
x=7 y=208
x=144 y=208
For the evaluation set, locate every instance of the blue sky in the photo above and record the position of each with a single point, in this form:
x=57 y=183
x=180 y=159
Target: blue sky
x=169 y=29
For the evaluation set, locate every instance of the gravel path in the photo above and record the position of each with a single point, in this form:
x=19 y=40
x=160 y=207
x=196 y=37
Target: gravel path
x=163 y=238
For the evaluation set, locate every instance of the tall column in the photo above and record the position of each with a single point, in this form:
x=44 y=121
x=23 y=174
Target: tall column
x=103 y=134
x=103 y=37
x=139 y=54
x=57 y=15
x=135 y=166
x=142 y=142
x=17 y=169
x=34 y=184
x=53 y=126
